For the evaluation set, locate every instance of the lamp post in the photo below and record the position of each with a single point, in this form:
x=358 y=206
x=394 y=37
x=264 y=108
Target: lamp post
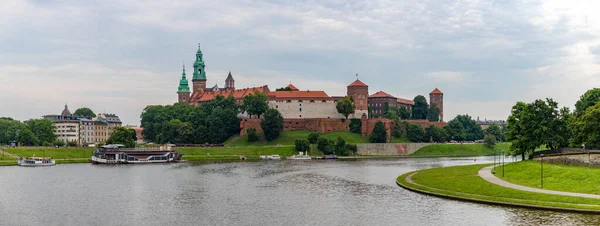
x=542 y=171
x=503 y=154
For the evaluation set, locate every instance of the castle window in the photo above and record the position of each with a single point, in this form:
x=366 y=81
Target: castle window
x=289 y=101
x=324 y=101
x=300 y=101
x=312 y=101
x=276 y=106
x=300 y=116
x=300 y=109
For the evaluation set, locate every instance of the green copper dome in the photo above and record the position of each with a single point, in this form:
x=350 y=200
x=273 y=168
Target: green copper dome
x=199 y=73
x=183 y=83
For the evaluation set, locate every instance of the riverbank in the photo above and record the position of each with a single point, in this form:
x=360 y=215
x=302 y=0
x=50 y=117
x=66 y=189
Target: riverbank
x=467 y=149
x=463 y=183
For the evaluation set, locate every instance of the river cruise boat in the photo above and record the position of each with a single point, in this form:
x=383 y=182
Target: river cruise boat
x=270 y=157
x=116 y=154
x=36 y=161
x=300 y=156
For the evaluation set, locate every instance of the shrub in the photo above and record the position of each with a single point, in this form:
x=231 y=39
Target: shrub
x=59 y=143
x=414 y=133
x=489 y=141
x=355 y=125
x=325 y=145
x=252 y=136
x=340 y=147
x=47 y=144
x=352 y=149
x=72 y=143
x=313 y=138
x=302 y=146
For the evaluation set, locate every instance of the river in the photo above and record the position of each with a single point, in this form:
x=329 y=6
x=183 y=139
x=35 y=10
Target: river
x=351 y=192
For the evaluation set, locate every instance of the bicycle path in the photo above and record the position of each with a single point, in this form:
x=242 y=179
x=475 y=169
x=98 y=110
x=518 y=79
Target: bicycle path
x=486 y=174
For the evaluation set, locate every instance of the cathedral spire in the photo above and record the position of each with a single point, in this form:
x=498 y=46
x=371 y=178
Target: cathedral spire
x=183 y=83
x=199 y=73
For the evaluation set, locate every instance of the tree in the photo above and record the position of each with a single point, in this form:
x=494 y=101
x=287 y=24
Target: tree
x=272 y=124
x=85 y=112
x=414 y=133
x=536 y=124
x=313 y=138
x=588 y=99
x=325 y=145
x=404 y=113
x=26 y=138
x=345 y=106
x=391 y=113
x=302 y=146
x=175 y=132
x=252 y=136
x=43 y=129
x=287 y=88
x=495 y=131
x=379 y=135
x=256 y=104
x=434 y=134
x=121 y=135
x=464 y=128
x=433 y=113
x=340 y=147
x=419 y=109
x=489 y=141
x=590 y=127
x=9 y=129
x=355 y=125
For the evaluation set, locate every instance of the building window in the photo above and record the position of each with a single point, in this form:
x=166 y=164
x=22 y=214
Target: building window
x=300 y=109
x=300 y=101
x=288 y=101
x=323 y=101
x=300 y=116
x=312 y=101
x=276 y=106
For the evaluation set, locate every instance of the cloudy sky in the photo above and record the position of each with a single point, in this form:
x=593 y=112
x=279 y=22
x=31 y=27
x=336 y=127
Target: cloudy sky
x=120 y=56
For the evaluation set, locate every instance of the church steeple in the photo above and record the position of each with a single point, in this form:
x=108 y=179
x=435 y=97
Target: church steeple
x=229 y=82
x=199 y=78
x=183 y=91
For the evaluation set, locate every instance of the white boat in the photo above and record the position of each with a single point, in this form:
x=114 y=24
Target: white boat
x=270 y=157
x=300 y=156
x=36 y=161
x=116 y=154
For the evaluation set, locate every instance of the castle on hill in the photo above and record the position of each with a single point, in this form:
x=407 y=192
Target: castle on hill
x=295 y=103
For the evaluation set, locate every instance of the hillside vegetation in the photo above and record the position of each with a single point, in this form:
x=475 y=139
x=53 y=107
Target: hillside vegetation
x=460 y=149
x=288 y=138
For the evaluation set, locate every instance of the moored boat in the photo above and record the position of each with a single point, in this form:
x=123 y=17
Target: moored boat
x=116 y=154
x=36 y=161
x=331 y=157
x=270 y=157
x=300 y=156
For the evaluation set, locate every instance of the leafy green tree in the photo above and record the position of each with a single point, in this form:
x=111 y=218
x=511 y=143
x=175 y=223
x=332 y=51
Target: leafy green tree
x=252 y=136
x=175 y=132
x=434 y=134
x=352 y=149
x=404 y=113
x=355 y=125
x=85 y=112
x=419 y=109
x=414 y=133
x=588 y=99
x=495 y=131
x=345 y=106
x=256 y=104
x=302 y=146
x=287 y=88
x=397 y=129
x=391 y=114
x=43 y=129
x=59 y=143
x=590 y=127
x=433 y=113
x=121 y=135
x=313 y=138
x=536 y=124
x=9 y=129
x=325 y=145
x=340 y=147
x=71 y=143
x=464 y=128
x=379 y=135
x=272 y=124
x=218 y=132
x=489 y=141
x=27 y=138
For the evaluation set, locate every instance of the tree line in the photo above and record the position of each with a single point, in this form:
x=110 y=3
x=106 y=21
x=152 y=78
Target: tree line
x=542 y=123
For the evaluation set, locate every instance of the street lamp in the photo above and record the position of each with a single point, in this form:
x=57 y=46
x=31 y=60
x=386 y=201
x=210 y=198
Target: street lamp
x=542 y=171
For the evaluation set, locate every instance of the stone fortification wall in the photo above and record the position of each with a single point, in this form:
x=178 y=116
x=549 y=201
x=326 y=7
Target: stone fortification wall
x=389 y=148
x=591 y=158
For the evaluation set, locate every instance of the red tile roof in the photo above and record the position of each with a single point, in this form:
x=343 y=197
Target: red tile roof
x=299 y=95
x=237 y=94
x=358 y=83
x=381 y=94
x=293 y=87
x=436 y=91
x=405 y=101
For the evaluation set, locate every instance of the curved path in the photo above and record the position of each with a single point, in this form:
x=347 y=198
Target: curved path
x=486 y=174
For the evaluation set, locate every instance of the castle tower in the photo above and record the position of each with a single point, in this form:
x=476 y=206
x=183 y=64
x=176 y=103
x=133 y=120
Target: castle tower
x=199 y=78
x=436 y=96
x=229 y=82
x=360 y=93
x=183 y=91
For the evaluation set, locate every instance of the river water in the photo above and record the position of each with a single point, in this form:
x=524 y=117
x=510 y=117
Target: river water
x=357 y=192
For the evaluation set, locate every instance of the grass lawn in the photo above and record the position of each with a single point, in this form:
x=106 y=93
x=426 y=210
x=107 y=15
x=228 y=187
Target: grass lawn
x=289 y=137
x=556 y=177
x=234 y=153
x=463 y=181
x=55 y=153
x=459 y=149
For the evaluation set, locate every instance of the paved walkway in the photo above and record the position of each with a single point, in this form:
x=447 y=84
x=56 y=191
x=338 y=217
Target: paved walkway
x=486 y=174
